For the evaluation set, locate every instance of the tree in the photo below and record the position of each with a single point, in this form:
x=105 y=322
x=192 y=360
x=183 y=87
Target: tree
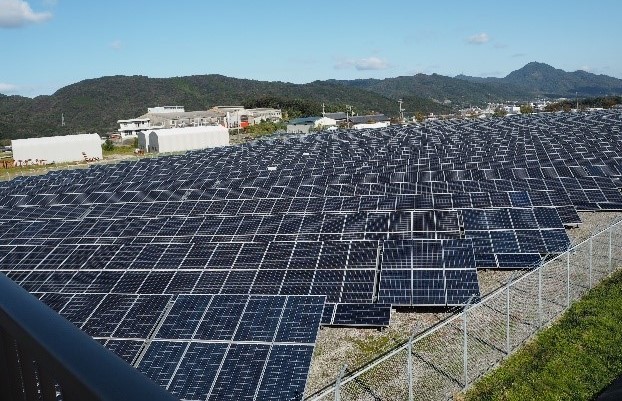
x=108 y=145
x=526 y=109
x=419 y=116
x=500 y=112
x=265 y=128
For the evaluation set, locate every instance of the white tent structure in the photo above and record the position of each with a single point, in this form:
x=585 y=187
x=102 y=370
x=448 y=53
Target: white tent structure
x=58 y=149
x=190 y=138
x=143 y=140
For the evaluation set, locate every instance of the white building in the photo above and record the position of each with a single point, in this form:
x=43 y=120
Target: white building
x=380 y=124
x=131 y=128
x=58 y=149
x=166 y=109
x=177 y=117
x=238 y=116
x=263 y=114
x=189 y=138
x=512 y=109
x=307 y=124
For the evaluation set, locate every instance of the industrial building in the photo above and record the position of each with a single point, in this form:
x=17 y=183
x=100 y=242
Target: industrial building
x=163 y=117
x=58 y=149
x=182 y=139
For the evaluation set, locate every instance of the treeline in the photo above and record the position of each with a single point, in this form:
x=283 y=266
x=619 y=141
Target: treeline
x=606 y=102
x=95 y=105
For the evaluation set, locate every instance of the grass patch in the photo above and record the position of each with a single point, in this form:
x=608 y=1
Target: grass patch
x=119 y=150
x=371 y=346
x=575 y=359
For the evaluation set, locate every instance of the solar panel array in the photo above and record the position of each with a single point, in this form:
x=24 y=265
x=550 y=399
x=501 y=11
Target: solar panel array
x=363 y=219
x=205 y=347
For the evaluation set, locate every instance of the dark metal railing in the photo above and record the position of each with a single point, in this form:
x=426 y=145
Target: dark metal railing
x=45 y=357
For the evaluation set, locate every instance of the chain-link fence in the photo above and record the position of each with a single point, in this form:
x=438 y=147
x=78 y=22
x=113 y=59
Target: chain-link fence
x=447 y=358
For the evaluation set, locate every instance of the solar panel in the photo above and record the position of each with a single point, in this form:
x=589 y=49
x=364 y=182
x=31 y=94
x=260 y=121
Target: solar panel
x=357 y=315
x=205 y=346
x=428 y=272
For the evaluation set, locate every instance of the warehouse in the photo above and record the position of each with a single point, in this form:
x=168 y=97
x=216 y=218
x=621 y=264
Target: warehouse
x=190 y=138
x=58 y=149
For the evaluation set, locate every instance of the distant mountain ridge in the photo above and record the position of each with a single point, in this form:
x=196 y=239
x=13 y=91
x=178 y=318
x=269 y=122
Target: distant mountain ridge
x=543 y=80
x=94 y=105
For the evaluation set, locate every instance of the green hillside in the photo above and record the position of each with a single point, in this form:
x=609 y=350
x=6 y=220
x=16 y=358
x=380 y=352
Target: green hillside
x=95 y=105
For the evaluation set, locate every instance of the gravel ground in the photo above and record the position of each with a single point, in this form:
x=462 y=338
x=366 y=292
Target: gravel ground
x=354 y=347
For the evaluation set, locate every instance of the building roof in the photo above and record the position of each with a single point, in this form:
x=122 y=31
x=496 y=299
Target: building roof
x=304 y=120
x=186 y=114
x=204 y=129
x=56 y=139
x=336 y=116
x=374 y=118
x=132 y=120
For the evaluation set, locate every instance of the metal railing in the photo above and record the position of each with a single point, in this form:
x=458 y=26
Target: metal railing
x=44 y=357
x=447 y=358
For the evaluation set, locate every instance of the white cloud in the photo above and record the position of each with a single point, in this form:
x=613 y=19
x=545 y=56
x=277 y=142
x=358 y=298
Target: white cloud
x=371 y=63
x=16 y=13
x=7 y=88
x=478 y=39
x=363 y=64
x=116 y=44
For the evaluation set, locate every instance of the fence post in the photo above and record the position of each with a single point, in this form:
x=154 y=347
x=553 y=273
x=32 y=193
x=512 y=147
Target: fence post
x=410 y=367
x=610 y=262
x=540 y=296
x=590 y=267
x=465 y=343
x=507 y=318
x=568 y=278
x=338 y=383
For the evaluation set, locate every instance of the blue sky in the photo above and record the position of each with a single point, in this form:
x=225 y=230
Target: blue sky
x=47 y=44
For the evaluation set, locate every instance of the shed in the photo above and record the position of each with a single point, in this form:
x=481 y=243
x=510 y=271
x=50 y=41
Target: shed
x=58 y=149
x=190 y=138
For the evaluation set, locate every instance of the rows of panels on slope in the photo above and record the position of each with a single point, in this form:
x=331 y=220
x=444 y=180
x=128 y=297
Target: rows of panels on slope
x=126 y=273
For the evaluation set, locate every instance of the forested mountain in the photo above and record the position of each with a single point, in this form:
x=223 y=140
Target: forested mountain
x=440 y=88
x=95 y=105
x=543 y=80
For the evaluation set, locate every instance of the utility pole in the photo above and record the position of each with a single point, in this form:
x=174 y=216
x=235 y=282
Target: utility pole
x=576 y=95
x=401 y=111
x=348 y=109
x=62 y=119
x=323 y=110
